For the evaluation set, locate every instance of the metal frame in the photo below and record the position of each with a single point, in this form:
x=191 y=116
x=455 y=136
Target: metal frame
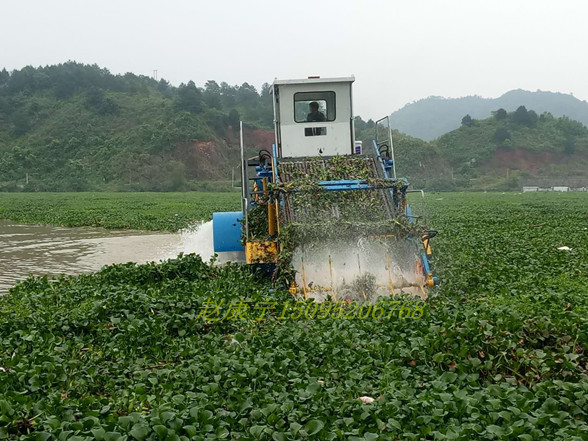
x=383 y=142
x=352 y=121
x=277 y=135
x=244 y=183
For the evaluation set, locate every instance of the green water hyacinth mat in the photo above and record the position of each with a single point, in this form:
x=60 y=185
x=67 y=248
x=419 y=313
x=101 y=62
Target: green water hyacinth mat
x=499 y=352
x=138 y=211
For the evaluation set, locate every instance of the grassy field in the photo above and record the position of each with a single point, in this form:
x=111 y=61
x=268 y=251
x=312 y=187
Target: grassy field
x=143 y=211
x=499 y=352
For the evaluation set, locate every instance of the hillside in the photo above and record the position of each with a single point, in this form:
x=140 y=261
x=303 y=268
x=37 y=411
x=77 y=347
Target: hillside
x=415 y=158
x=502 y=152
x=75 y=127
x=431 y=117
x=78 y=127
x=519 y=146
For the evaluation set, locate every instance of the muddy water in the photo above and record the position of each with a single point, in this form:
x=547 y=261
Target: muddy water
x=42 y=249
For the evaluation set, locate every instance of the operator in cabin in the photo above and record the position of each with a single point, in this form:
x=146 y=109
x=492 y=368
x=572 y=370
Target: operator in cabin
x=315 y=115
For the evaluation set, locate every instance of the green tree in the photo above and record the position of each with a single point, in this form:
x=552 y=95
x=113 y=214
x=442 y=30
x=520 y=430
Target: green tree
x=266 y=93
x=63 y=86
x=532 y=118
x=501 y=134
x=94 y=97
x=266 y=113
x=500 y=114
x=164 y=87
x=234 y=118
x=4 y=107
x=467 y=121
x=21 y=122
x=521 y=116
x=359 y=123
x=228 y=94
x=189 y=98
x=4 y=76
x=571 y=128
x=212 y=95
x=247 y=95
x=97 y=101
x=569 y=145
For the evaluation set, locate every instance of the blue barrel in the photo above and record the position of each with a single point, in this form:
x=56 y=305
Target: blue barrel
x=226 y=231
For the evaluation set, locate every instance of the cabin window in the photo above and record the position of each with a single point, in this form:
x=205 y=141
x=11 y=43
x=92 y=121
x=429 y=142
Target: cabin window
x=314 y=107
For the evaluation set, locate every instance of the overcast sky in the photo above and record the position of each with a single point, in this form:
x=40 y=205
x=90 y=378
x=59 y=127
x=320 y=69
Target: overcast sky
x=398 y=50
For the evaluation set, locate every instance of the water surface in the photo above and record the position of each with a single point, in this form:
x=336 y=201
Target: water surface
x=44 y=249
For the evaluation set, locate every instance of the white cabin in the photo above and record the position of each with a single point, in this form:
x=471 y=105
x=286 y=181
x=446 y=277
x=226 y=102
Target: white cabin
x=313 y=117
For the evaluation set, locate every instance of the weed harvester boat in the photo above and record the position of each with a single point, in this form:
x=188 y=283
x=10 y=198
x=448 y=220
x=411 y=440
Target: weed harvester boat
x=320 y=213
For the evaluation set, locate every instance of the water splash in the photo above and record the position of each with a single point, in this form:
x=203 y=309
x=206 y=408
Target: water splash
x=341 y=265
x=198 y=239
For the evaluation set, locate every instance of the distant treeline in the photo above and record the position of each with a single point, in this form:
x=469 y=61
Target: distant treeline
x=78 y=127
x=68 y=79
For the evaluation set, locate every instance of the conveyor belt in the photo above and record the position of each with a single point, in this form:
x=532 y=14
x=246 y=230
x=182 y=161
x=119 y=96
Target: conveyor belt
x=305 y=206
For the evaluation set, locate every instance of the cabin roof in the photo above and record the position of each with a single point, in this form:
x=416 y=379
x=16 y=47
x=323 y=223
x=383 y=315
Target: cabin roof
x=350 y=79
